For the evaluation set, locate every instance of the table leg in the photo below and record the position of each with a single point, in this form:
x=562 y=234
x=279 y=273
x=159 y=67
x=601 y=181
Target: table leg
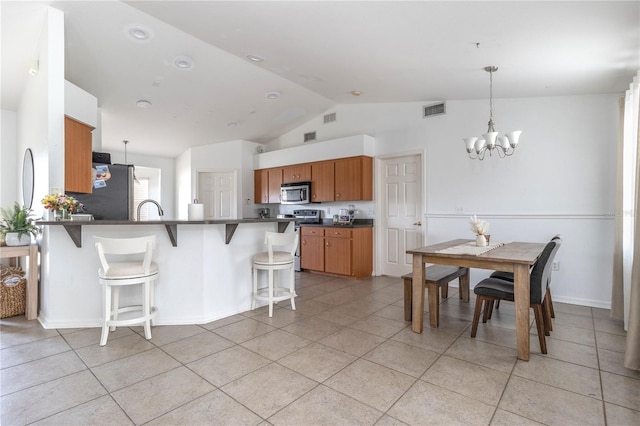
x=434 y=305
x=418 y=294
x=31 y=302
x=463 y=283
x=522 y=298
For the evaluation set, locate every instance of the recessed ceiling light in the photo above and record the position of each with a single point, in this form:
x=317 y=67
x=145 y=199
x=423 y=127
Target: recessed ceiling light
x=183 y=63
x=356 y=93
x=272 y=95
x=143 y=104
x=254 y=58
x=139 y=33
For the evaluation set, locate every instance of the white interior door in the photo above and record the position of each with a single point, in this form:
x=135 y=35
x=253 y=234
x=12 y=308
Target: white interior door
x=217 y=191
x=401 y=224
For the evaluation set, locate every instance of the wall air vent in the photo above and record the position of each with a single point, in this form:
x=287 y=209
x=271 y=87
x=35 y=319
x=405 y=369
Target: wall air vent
x=434 y=109
x=329 y=118
x=309 y=137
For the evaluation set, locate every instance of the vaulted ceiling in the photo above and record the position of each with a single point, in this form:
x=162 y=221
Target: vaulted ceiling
x=314 y=55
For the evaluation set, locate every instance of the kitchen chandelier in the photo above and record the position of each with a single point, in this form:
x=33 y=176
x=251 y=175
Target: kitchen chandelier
x=504 y=145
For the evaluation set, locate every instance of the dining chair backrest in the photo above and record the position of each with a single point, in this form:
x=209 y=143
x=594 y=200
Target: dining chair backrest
x=541 y=272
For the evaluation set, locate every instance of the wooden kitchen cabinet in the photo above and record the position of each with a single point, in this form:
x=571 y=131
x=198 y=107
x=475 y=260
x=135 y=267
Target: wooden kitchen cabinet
x=354 y=179
x=312 y=248
x=343 y=179
x=261 y=186
x=275 y=181
x=296 y=173
x=77 y=156
x=337 y=251
x=322 y=181
x=266 y=185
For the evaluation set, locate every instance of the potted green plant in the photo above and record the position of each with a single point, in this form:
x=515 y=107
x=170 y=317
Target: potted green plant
x=17 y=225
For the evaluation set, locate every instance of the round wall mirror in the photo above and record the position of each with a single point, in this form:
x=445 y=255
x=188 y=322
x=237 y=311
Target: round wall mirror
x=27 y=178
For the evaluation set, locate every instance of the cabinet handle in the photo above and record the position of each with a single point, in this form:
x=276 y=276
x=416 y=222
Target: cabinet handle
x=304 y=242
x=418 y=223
x=337 y=195
x=327 y=244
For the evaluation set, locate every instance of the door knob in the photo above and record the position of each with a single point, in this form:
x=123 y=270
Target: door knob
x=418 y=223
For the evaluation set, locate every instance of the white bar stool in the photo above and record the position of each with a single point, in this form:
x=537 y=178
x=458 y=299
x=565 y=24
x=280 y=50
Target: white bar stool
x=274 y=260
x=121 y=270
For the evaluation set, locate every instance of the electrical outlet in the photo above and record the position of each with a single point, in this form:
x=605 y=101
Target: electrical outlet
x=328 y=211
x=555 y=266
x=248 y=201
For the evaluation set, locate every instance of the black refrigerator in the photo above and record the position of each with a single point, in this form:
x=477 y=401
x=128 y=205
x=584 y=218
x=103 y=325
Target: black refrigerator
x=112 y=196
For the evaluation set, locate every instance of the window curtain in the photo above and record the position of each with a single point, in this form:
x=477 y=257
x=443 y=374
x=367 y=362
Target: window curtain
x=625 y=294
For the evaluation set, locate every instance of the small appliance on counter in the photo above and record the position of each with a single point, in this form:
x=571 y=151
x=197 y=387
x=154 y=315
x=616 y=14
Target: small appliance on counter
x=264 y=213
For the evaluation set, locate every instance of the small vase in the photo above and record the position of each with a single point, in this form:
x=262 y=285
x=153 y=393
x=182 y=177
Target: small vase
x=481 y=241
x=60 y=215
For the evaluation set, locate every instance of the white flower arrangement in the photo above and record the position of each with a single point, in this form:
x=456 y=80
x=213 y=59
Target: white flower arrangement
x=478 y=226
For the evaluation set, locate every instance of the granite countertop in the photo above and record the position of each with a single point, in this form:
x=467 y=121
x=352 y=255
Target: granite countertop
x=328 y=223
x=159 y=222
x=74 y=227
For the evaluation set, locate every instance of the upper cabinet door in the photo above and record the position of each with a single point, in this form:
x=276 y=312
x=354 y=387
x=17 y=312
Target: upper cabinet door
x=296 y=173
x=354 y=179
x=322 y=181
x=77 y=156
x=260 y=187
x=275 y=181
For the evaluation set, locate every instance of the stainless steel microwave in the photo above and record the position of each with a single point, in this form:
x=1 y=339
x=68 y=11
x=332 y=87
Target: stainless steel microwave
x=295 y=193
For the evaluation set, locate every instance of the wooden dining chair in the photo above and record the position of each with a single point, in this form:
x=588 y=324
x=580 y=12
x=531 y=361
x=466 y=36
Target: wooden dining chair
x=491 y=290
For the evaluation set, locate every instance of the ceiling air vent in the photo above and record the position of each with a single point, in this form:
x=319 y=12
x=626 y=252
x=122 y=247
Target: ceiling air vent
x=434 y=109
x=309 y=137
x=328 y=118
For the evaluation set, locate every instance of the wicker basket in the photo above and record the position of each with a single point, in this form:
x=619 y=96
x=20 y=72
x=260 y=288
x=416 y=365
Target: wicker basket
x=13 y=290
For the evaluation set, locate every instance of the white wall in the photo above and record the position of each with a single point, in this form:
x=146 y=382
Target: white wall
x=10 y=162
x=560 y=180
x=80 y=105
x=234 y=156
x=40 y=116
x=167 y=168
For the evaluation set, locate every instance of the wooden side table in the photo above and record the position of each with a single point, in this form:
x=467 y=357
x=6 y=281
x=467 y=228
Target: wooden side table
x=31 y=252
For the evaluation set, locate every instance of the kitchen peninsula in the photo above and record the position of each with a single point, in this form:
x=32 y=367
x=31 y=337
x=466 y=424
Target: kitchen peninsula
x=204 y=275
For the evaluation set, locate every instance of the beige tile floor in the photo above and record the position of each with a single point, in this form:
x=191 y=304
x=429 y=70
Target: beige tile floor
x=344 y=357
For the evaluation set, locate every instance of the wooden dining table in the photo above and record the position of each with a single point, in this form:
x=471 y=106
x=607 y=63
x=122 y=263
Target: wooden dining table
x=516 y=257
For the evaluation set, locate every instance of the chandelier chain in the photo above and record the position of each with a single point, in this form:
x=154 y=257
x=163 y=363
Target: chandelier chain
x=491 y=141
x=491 y=95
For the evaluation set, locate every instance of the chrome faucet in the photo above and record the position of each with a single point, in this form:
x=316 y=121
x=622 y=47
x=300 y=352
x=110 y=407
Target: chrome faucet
x=160 y=212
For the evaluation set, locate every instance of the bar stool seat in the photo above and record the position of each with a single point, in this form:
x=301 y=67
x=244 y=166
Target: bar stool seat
x=117 y=270
x=275 y=260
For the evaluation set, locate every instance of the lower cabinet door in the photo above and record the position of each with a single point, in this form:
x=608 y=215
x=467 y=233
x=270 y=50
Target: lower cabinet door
x=337 y=255
x=312 y=252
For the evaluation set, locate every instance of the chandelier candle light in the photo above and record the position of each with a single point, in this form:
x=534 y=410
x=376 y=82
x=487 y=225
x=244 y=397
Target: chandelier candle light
x=504 y=145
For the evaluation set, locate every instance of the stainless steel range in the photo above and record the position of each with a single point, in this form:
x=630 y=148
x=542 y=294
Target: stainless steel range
x=304 y=216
